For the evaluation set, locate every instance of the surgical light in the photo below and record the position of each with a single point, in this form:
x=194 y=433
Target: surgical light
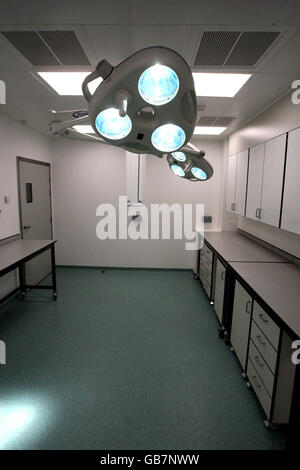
x=158 y=85
x=177 y=170
x=168 y=138
x=179 y=156
x=146 y=104
x=198 y=173
x=113 y=126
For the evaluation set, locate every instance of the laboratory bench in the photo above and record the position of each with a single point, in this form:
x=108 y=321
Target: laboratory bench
x=256 y=297
x=14 y=255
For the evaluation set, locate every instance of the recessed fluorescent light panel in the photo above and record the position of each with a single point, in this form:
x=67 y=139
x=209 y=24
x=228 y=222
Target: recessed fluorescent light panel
x=209 y=130
x=84 y=129
x=68 y=83
x=219 y=84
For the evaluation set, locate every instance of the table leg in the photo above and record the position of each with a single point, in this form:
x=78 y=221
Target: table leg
x=53 y=272
x=22 y=279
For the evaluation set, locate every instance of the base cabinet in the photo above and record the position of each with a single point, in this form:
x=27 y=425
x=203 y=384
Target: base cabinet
x=206 y=269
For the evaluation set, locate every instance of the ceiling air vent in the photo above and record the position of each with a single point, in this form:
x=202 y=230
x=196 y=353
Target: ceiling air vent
x=233 y=48
x=43 y=48
x=219 y=121
x=215 y=47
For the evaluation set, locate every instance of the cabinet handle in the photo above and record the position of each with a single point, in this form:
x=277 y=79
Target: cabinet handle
x=247 y=306
x=265 y=320
x=257 y=213
x=260 y=340
x=261 y=364
x=255 y=381
x=232 y=206
x=223 y=275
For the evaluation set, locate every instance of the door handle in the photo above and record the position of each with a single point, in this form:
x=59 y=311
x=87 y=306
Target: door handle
x=26 y=227
x=257 y=213
x=247 y=306
x=223 y=275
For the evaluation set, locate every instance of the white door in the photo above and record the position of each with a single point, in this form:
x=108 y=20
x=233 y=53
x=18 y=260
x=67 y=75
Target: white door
x=219 y=290
x=291 y=196
x=241 y=182
x=273 y=180
x=35 y=213
x=231 y=178
x=241 y=317
x=255 y=177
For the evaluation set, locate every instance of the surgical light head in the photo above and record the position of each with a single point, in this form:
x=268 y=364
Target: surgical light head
x=146 y=104
x=190 y=164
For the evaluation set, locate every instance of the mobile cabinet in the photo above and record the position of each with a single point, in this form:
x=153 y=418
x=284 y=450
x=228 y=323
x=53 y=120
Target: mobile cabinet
x=265 y=181
x=206 y=269
x=241 y=318
x=237 y=182
x=264 y=351
x=220 y=274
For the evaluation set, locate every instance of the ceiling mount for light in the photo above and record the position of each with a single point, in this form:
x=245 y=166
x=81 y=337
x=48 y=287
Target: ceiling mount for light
x=146 y=105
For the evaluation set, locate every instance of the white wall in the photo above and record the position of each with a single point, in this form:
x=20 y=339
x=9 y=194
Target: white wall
x=277 y=119
x=86 y=174
x=16 y=140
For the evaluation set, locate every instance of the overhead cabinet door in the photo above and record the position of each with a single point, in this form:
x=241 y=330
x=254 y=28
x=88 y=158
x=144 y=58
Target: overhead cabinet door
x=255 y=178
x=231 y=178
x=291 y=196
x=273 y=180
x=241 y=182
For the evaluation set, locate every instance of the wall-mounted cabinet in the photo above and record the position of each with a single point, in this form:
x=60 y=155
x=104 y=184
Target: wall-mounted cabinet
x=237 y=182
x=265 y=181
x=291 y=196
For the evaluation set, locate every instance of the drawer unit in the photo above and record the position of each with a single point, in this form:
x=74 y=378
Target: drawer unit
x=259 y=388
x=204 y=261
x=262 y=368
x=266 y=324
x=264 y=346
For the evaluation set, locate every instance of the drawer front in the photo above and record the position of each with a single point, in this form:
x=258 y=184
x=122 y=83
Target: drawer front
x=259 y=388
x=262 y=368
x=266 y=324
x=206 y=288
x=207 y=252
x=265 y=348
x=204 y=261
x=206 y=273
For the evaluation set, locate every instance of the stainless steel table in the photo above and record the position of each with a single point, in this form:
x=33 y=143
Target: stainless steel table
x=14 y=255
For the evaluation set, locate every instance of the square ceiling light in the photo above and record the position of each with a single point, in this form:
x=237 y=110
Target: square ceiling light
x=68 y=83
x=84 y=128
x=209 y=130
x=219 y=84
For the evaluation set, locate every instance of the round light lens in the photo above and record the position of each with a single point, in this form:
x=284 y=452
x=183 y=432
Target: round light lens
x=198 y=173
x=168 y=138
x=158 y=84
x=179 y=156
x=111 y=125
x=177 y=170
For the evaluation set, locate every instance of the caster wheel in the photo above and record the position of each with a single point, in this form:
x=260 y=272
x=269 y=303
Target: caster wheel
x=221 y=333
x=271 y=426
x=231 y=349
x=249 y=385
x=244 y=375
x=54 y=296
x=196 y=277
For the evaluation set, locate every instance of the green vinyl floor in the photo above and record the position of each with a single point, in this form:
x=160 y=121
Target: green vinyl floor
x=125 y=359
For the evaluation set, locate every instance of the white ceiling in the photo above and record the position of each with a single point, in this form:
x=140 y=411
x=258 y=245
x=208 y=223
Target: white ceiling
x=114 y=29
